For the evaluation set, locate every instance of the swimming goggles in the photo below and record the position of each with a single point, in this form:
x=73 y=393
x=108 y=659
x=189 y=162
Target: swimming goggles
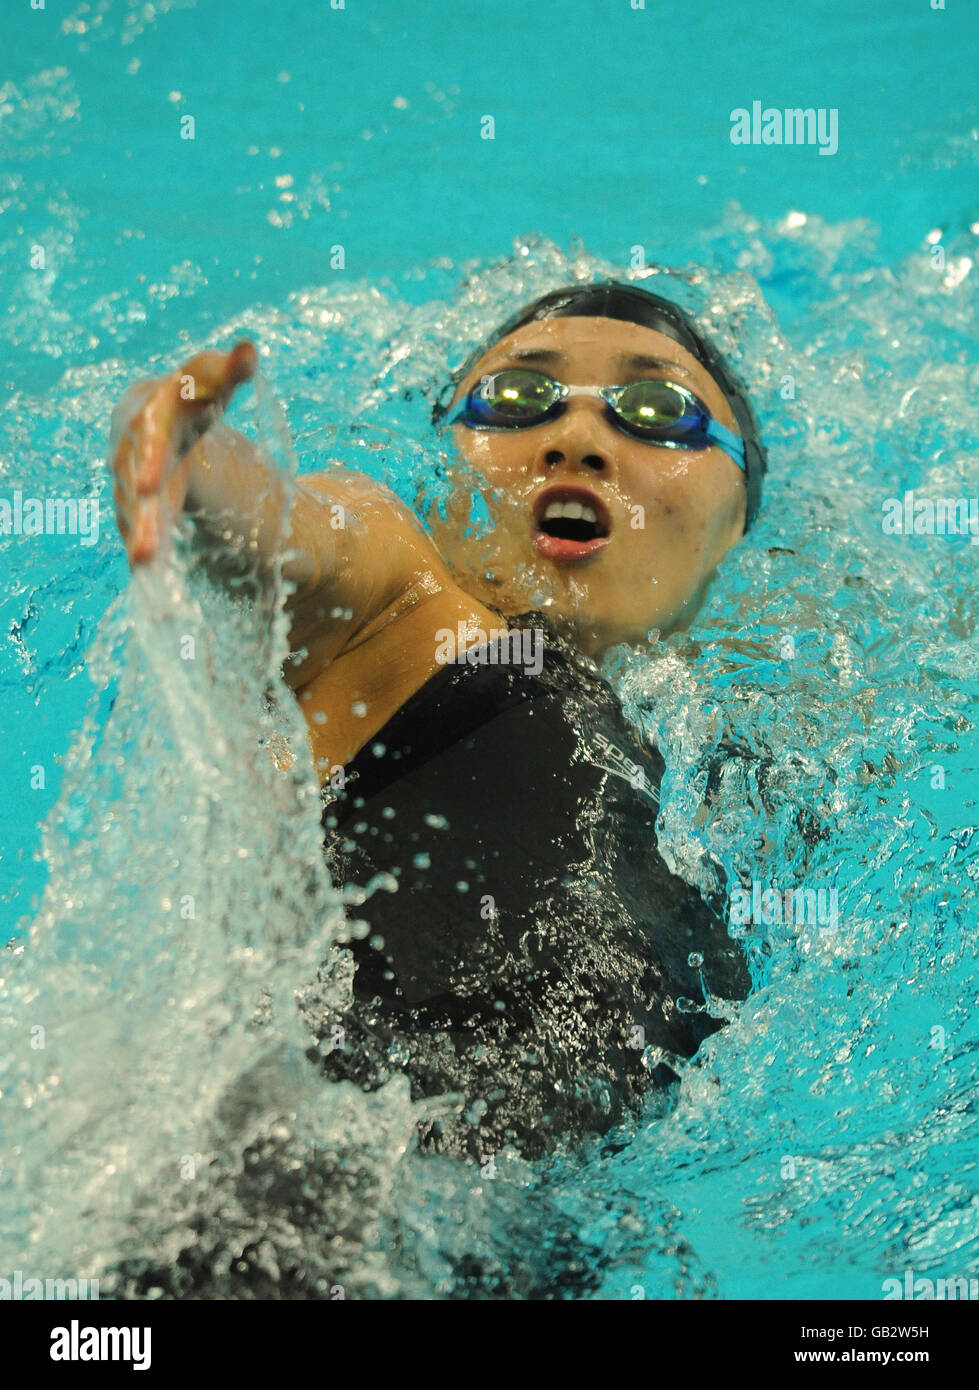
x=656 y=411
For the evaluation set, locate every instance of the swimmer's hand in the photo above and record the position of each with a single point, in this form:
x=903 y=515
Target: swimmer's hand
x=155 y=429
x=352 y=555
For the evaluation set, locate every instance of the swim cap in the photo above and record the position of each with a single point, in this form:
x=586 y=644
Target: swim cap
x=613 y=300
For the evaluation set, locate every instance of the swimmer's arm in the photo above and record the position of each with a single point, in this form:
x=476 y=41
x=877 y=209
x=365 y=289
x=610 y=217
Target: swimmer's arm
x=235 y=497
x=348 y=546
x=381 y=559
x=351 y=552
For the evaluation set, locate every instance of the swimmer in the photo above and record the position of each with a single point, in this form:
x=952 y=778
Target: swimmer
x=532 y=951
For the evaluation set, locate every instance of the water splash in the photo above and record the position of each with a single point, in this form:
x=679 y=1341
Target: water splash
x=171 y=1126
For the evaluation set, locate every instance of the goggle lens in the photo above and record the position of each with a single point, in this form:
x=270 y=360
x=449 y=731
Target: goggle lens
x=513 y=397
x=516 y=396
x=654 y=406
x=659 y=411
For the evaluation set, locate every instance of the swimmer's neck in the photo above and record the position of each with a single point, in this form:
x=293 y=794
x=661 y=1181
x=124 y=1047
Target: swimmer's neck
x=590 y=638
x=596 y=638
x=593 y=639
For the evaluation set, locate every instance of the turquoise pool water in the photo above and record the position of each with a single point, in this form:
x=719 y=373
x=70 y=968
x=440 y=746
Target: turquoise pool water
x=827 y=1140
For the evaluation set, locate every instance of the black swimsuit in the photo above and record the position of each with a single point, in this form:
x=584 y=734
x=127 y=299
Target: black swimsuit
x=535 y=944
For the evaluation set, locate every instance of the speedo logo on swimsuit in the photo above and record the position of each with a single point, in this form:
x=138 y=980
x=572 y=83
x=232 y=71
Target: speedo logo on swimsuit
x=617 y=762
x=518 y=646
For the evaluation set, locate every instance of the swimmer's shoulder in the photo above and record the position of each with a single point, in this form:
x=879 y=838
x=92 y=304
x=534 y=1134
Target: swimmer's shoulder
x=352 y=699
x=394 y=652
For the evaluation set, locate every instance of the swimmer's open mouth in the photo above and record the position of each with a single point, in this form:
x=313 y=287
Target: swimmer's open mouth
x=571 y=514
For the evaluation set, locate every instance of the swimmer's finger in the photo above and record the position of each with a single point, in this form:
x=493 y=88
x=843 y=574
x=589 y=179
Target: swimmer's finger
x=125 y=426
x=123 y=465
x=216 y=374
x=138 y=524
x=134 y=434
x=144 y=540
x=185 y=407
x=154 y=427
x=153 y=438
x=140 y=447
x=207 y=382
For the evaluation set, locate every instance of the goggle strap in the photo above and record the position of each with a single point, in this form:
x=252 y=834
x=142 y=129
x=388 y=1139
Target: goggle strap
x=731 y=443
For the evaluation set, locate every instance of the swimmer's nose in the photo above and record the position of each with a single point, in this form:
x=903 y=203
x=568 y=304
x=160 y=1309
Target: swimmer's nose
x=596 y=462
x=578 y=440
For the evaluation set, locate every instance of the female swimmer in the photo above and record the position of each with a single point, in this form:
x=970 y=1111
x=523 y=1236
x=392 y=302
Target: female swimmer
x=528 y=955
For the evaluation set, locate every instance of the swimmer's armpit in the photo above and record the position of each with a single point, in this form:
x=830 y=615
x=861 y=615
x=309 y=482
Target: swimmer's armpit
x=235 y=496
x=358 y=556
x=238 y=500
x=349 y=548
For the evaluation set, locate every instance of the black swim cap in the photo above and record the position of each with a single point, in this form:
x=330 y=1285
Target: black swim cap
x=612 y=300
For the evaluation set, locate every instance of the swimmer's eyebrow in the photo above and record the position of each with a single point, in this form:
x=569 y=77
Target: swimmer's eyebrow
x=625 y=361
x=542 y=355
x=640 y=362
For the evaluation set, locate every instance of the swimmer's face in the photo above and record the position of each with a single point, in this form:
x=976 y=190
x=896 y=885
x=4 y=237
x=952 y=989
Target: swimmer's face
x=671 y=514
